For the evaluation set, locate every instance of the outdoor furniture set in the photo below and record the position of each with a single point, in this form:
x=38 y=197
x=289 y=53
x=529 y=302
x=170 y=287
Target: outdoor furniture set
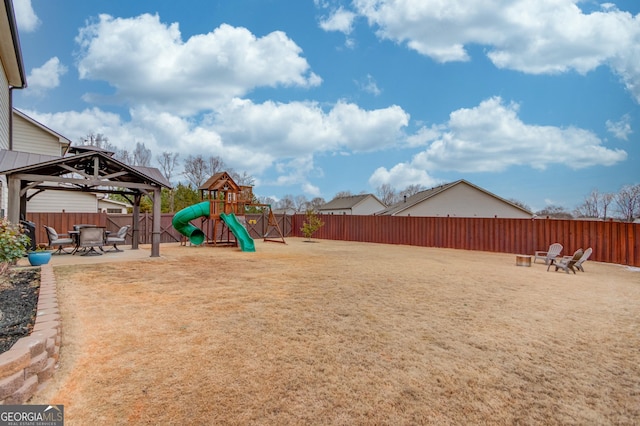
x=552 y=257
x=85 y=238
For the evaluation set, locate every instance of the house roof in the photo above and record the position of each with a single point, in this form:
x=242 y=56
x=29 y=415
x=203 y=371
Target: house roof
x=10 y=51
x=10 y=160
x=429 y=193
x=346 y=203
x=61 y=139
x=111 y=172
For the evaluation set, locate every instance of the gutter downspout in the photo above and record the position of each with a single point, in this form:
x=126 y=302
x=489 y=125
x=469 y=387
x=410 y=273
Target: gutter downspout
x=13 y=27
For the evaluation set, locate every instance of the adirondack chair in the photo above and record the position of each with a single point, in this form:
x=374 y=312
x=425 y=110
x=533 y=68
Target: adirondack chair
x=548 y=256
x=585 y=256
x=567 y=262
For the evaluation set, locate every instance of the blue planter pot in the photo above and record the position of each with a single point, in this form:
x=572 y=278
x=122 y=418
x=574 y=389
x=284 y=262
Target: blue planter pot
x=39 y=258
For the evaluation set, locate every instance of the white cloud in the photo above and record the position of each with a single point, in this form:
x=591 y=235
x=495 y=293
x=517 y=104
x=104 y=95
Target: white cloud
x=369 y=85
x=278 y=139
x=296 y=128
x=340 y=20
x=532 y=36
x=491 y=138
x=26 y=18
x=402 y=175
x=46 y=77
x=621 y=129
x=148 y=63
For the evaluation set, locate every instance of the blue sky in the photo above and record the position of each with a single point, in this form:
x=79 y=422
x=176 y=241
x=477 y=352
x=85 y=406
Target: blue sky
x=533 y=100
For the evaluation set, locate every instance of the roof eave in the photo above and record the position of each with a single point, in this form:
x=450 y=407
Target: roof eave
x=10 y=49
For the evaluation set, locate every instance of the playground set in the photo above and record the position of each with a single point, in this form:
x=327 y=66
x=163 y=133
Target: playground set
x=222 y=214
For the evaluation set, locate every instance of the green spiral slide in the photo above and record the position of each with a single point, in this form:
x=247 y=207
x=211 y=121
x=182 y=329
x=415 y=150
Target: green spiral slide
x=181 y=223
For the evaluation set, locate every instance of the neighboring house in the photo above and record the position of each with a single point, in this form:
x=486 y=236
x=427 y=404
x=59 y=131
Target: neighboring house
x=457 y=199
x=287 y=211
x=32 y=137
x=106 y=205
x=13 y=77
x=74 y=202
x=363 y=204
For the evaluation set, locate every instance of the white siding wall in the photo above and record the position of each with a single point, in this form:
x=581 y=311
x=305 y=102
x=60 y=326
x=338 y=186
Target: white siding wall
x=464 y=201
x=109 y=207
x=368 y=206
x=28 y=137
x=4 y=136
x=346 y=211
x=58 y=201
x=4 y=112
x=4 y=193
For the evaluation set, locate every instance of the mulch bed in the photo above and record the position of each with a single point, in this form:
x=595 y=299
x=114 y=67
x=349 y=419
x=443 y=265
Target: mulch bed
x=19 y=289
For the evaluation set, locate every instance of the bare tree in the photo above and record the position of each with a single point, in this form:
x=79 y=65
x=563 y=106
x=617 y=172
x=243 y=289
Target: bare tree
x=411 y=190
x=302 y=203
x=244 y=179
x=168 y=161
x=606 y=201
x=316 y=203
x=628 y=202
x=590 y=207
x=196 y=170
x=267 y=200
x=387 y=194
x=342 y=194
x=520 y=204
x=123 y=156
x=216 y=165
x=557 y=212
x=595 y=205
x=141 y=155
x=287 y=202
x=98 y=140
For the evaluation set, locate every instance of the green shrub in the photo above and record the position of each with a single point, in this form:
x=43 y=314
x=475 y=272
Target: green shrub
x=13 y=242
x=311 y=224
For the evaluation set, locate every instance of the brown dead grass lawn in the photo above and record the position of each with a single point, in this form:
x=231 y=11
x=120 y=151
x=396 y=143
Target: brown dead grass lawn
x=343 y=333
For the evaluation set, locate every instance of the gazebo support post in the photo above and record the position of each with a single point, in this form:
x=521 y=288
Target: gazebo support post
x=13 y=199
x=157 y=215
x=135 y=233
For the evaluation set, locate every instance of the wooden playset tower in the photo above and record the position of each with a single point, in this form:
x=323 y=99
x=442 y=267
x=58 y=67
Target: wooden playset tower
x=225 y=196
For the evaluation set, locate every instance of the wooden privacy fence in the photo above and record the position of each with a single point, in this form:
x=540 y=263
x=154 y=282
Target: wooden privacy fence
x=63 y=222
x=612 y=242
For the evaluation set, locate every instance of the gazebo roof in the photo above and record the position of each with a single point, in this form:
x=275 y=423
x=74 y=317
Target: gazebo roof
x=87 y=171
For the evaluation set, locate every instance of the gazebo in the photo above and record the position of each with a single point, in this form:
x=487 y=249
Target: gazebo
x=89 y=170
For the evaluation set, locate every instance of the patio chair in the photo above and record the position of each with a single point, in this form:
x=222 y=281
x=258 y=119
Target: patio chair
x=90 y=238
x=118 y=238
x=59 y=240
x=585 y=256
x=567 y=262
x=554 y=251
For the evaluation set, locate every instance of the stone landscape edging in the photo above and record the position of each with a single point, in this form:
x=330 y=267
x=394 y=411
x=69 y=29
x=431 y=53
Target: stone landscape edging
x=32 y=360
